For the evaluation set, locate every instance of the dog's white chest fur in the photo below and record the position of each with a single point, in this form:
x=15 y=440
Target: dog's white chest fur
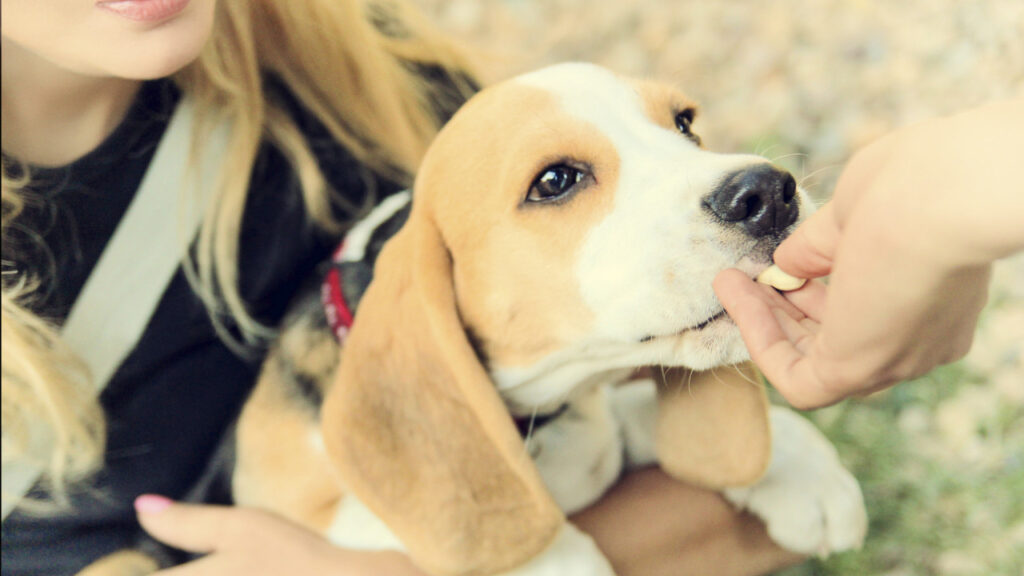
x=579 y=454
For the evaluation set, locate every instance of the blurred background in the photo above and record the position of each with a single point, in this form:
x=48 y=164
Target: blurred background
x=805 y=83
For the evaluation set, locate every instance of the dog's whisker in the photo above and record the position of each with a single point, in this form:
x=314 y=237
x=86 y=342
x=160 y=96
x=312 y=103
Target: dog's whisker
x=680 y=387
x=761 y=150
x=746 y=378
x=800 y=155
x=802 y=181
x=529 y=430
x=718 y=375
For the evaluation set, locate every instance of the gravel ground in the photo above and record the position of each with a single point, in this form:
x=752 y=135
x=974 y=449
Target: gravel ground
x=807 y=82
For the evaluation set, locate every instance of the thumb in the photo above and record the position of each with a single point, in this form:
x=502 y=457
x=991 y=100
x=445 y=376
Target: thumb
x=190 y=527
x=809 y=250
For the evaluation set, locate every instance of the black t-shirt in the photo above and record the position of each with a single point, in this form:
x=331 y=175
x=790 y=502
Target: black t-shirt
x=171 y=401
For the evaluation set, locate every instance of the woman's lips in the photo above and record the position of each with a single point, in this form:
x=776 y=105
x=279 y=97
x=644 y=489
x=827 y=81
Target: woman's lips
x=144 y=10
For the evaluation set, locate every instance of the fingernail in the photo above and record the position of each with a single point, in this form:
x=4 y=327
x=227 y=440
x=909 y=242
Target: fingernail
x=151 y=504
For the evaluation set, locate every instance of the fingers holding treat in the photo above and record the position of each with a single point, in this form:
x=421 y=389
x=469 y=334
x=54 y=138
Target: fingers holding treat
x=777 y=278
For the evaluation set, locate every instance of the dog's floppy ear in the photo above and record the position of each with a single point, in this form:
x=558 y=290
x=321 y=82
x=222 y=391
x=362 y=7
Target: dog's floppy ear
x=417 y=430
x=713 y=428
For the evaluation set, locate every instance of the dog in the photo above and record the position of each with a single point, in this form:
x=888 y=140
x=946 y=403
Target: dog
x=564 y=231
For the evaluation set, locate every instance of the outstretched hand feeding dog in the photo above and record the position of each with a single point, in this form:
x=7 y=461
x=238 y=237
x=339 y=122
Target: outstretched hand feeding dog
x=565 y=230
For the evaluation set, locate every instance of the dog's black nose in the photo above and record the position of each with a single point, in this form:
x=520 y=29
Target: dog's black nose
x=761 y=199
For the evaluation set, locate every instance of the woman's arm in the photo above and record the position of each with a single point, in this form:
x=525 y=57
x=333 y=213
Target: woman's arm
x=650 y=524
x=253 y=542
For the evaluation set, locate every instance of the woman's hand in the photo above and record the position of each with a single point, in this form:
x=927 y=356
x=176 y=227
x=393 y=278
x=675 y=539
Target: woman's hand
x=254 y=543
x=908 y=238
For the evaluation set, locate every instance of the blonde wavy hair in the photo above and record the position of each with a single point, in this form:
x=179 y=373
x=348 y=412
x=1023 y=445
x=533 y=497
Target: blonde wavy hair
x=355 y=65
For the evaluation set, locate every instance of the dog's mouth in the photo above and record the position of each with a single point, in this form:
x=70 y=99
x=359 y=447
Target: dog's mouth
x=720 y=314
x=716 y=316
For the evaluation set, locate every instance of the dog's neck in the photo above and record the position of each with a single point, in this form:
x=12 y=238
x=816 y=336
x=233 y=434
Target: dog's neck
x=543 y=393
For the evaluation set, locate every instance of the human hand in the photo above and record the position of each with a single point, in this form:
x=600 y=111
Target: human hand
x=915 y=221
x=253 y=542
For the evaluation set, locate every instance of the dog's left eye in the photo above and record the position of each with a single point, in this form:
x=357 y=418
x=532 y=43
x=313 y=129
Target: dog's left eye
x=684 y=123
x=554 y=182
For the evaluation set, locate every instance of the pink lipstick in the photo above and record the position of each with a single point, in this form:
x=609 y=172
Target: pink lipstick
x=144 y=10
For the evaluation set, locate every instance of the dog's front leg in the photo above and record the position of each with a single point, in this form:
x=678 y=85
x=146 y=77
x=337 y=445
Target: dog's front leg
x=810 y=503
x=635 y=405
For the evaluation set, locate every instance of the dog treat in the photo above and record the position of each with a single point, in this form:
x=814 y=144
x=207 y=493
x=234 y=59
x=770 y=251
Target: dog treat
x=776 y=278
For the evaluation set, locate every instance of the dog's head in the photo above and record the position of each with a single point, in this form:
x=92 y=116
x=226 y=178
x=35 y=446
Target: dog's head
x=566 y=225
x=586 y=224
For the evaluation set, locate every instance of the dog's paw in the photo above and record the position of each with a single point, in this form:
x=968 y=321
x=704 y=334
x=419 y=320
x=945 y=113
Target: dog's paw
x=809 y=502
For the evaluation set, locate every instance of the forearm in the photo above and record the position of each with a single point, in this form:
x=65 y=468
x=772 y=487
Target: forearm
x=651 y=524
x=977 y=202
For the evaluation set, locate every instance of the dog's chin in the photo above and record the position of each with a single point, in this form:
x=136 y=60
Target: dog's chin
x=549 y=382
x=712 y=343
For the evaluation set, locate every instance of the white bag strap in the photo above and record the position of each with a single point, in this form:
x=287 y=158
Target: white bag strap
x=123 y=290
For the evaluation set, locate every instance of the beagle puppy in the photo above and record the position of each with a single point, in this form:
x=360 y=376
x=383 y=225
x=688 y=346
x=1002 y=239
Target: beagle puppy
x=564 y=231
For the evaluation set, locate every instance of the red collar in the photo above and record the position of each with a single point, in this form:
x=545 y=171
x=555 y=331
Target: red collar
x=336 y=309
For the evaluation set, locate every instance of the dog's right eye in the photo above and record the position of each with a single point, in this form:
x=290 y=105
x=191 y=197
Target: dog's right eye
x=684 y=123
x=554 y=182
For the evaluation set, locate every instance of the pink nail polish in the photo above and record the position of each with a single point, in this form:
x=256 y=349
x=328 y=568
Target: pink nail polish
x=151 y=504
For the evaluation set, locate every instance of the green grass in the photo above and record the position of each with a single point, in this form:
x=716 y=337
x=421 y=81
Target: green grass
x=936 y=508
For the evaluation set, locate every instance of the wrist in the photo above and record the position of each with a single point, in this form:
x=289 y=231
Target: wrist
x=957 y=192
x=989 y=213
